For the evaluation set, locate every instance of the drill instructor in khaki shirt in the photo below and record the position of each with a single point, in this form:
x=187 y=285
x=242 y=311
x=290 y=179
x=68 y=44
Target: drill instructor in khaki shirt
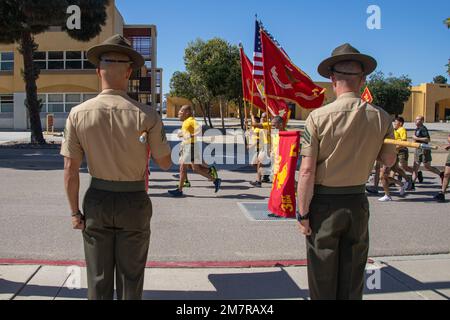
x=340 y=144
x=117 y=209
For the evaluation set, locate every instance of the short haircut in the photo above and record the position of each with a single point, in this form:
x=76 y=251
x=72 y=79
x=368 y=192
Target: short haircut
x=278 y=119
x=188 y=108
x=354 y=68
x=400 y=119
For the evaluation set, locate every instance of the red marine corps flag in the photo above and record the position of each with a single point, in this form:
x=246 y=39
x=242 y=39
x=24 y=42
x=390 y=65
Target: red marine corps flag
x=249 y=89
x=284 y=80
x=282 y=200
x=367 y=95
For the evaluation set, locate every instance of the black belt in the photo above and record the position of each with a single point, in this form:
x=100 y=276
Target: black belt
x=118 y=186
x=319 y=189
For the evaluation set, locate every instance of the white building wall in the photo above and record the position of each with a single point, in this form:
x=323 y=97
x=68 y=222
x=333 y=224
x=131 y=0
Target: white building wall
x=6 y=121
x=20 y=121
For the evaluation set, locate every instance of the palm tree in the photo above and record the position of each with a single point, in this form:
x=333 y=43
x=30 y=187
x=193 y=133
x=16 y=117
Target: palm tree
x=23 y=19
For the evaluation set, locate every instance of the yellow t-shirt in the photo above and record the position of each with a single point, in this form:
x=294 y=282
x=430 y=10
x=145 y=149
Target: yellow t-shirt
x=255 y=135
x=266 y=126
x=400 y=134
x=189 y=129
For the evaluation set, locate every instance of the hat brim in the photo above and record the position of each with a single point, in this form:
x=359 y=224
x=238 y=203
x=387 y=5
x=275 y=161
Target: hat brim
x=95 y=53
x=369 y=64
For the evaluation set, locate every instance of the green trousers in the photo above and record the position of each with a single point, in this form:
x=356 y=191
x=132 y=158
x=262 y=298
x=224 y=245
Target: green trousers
x=116 y=241
x=338 y=248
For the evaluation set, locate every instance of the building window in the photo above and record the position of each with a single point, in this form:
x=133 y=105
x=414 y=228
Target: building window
x=55 y=60
x=55 y=103
x=86 y=64
x=62 y=102
x=158 y=78
x=62 y=60
x=72 y=100
x=6 y=104
x=6 y=61
x=40 y=60
x=143 y=45
x=88 y=96
x=74 y=60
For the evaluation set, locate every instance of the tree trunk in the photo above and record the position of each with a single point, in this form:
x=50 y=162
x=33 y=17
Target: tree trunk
x=203 y=112
x=242 y=115
x=30 y=75
x=209 y=115
x=221 y=114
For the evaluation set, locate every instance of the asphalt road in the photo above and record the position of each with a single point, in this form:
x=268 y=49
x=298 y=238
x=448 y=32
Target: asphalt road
x=35 y=222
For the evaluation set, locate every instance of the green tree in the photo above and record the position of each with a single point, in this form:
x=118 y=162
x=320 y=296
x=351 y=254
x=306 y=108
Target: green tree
x=440 y=79
x=21 y=20
x=447 y=22
x=181 y=85
x=214 y=65
x=390 y=93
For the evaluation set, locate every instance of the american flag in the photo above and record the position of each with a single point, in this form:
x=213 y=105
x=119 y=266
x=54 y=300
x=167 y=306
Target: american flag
x=258 y=67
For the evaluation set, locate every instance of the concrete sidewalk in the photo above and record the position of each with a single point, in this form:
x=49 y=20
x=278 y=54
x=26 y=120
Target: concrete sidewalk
x=390 y=278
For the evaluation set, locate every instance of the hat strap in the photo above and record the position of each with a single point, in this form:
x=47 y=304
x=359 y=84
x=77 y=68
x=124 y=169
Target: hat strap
x=332 y=69
x=116 y=61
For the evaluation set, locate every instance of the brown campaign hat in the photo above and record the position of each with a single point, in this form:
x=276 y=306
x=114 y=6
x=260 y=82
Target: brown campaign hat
x=346 y=52
x=119 y=44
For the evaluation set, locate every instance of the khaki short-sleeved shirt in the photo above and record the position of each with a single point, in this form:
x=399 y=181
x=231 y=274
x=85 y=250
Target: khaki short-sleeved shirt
x=346 y=137
x=106 y=130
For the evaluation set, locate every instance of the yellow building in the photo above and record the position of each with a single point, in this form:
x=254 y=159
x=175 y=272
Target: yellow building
x=67 y=78
x=430 y=100
x=174 y=105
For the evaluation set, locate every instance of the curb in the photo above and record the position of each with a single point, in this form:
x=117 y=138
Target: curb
x=174 y=264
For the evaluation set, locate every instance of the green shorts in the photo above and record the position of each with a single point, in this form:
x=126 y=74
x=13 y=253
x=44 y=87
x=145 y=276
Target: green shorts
x=403 y=155
x=422 y=156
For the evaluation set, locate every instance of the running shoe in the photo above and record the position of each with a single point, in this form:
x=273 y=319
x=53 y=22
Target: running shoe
x=217 y=184
x=420 y=176
x=176 y=193
x=256 y=184
x=266 y=179
x=386 y=198
x=403 y=189
x=187 y=184
x=440 y=197
x=371 y=190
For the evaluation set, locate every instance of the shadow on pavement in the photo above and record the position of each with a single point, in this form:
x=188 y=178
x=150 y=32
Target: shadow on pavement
x=248 y=286
x=242 y=286
x=242 y=196
x=396 y=281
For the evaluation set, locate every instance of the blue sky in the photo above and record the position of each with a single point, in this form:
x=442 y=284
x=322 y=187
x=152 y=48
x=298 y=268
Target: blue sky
x=413 y=39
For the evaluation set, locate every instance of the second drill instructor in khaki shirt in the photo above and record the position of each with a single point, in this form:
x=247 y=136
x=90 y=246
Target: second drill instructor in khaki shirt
x=340 y=144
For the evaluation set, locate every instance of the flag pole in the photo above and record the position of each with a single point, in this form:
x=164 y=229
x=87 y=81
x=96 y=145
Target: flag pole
x=269 y=130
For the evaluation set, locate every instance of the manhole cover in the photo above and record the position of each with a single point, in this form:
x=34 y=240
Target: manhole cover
x=257 y=211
